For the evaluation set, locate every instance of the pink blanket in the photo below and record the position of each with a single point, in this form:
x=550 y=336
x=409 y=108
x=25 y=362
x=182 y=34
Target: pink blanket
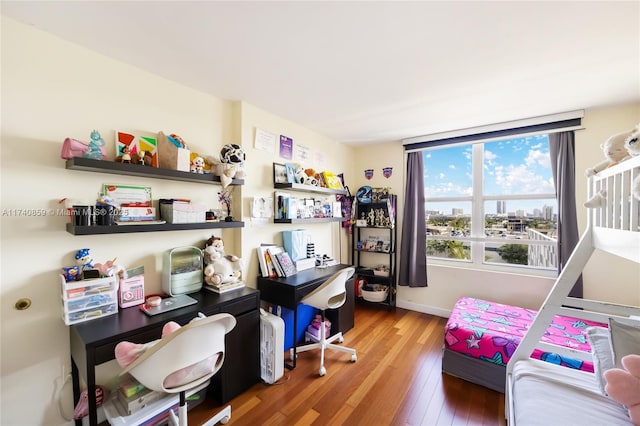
x=492 y=331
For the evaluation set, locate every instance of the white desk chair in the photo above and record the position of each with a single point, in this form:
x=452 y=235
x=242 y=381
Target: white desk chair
x=330 y=295
x=185 y=359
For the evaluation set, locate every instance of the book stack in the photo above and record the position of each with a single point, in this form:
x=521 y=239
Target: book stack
x=224 y=287
x=275 y=262
x=133 y=397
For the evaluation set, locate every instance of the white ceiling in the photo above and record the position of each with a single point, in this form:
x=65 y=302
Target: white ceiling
x=367 y=72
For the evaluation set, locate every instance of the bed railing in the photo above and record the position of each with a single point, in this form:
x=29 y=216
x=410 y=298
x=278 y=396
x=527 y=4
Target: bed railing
x=616 y=222
x=614 y=227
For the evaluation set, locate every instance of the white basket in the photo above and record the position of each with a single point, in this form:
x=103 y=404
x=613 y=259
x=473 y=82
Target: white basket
x=375 y=296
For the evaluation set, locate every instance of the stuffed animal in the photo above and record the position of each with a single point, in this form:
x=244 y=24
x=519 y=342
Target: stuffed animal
x=632 y=143
x=229 y=165
x=84 y=259
x=219 y=267
x=312 y=179
x=614 y=152
x=197 y=165
x=623 y=385
x=82 y=407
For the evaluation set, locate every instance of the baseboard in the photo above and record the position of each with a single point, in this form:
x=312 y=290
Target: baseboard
x=431 y=310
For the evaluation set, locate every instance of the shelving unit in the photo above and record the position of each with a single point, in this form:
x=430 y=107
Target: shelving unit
x=366 y=258
x=111 y=167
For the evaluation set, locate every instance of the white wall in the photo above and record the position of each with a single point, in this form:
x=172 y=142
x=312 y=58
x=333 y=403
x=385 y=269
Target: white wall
x=51 y=90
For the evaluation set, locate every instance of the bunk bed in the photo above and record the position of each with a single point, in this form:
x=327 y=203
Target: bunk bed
x=543 y=393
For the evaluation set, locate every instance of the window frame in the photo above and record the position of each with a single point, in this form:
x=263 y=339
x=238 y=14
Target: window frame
x=477 y=238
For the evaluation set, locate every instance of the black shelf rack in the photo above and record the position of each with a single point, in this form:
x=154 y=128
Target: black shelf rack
x=111 y=167
x=124 y=229
x=309 y=188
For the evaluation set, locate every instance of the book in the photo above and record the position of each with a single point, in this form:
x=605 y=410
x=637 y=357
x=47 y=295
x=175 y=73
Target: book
x=262 y=260
x=273 y=251
x=270 y=266
x=288 y=267
x=331 y=180
x=223 y=288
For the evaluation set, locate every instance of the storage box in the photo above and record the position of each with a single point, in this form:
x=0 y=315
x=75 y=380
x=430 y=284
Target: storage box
x=171 y=156
x=88 y=299
x=307 y=263
x=134 y=214
x=180 y=212
x=306 y=314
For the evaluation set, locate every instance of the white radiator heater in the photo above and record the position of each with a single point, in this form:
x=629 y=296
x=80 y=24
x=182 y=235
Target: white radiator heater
x=271 y=347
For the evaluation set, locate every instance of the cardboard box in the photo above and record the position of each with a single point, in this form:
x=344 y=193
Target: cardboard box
x=171 y=156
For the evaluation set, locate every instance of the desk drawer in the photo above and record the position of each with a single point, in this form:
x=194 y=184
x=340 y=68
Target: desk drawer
x=240 y=307
x=106 y=352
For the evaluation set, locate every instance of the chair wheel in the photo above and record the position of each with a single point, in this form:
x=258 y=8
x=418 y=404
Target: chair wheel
x=322 y=371
x=354 y=358
x=340 y=339
x=224 y=420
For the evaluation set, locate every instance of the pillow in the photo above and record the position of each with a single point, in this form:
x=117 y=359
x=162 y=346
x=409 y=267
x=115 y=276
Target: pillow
x=625 y=340
x=600 y=343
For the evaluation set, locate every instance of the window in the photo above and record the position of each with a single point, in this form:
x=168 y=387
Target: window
x=492 y=204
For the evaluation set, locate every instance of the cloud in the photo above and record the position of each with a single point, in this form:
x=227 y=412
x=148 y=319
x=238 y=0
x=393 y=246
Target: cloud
x=537 y=157
x=452 y=166
x=522 y=180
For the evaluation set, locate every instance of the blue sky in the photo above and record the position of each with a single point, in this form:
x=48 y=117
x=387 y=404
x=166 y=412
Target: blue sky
x=511 y=166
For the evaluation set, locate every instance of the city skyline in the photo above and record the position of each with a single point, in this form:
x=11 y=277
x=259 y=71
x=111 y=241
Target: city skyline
x=511 y=166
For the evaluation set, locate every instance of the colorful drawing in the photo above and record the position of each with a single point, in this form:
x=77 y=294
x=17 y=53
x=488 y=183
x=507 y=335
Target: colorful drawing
x=137 y=144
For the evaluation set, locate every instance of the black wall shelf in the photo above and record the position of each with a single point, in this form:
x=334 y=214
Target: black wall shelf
x=111 y=167
x=311 y=220
x=308 y=188
x=124 y=229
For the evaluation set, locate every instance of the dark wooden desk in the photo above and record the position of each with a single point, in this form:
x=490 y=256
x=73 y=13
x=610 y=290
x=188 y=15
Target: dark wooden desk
x=93 y=342
x=289 y=291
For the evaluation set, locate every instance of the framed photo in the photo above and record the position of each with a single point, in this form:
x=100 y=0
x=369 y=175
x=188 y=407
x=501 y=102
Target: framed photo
x=291 y=172
x=279 y=173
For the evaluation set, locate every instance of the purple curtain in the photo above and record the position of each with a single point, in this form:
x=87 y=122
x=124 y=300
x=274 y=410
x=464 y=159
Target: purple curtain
x=562 y=153
x=413 y=249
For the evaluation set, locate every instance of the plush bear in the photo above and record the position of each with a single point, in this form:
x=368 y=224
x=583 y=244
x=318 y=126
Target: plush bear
x=219 y=267
x=632 y=143
x=623 y=385
x=614 y=152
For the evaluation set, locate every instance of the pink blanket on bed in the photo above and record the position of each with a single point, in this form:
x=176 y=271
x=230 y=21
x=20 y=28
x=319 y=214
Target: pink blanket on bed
x=492 y=331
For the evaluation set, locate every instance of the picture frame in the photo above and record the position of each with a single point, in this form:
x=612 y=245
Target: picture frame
x=279 y=173
x=291 y=172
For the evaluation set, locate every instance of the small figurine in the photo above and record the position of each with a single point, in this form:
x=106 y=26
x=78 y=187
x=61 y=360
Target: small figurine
x=83 y=259
x=94 y=149
x=126 y=154
x=197 y=165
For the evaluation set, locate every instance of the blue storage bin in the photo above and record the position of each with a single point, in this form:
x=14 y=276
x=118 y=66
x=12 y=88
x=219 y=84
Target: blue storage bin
x=306 y=314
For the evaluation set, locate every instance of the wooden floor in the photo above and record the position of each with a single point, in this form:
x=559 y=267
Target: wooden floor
x=397 y=380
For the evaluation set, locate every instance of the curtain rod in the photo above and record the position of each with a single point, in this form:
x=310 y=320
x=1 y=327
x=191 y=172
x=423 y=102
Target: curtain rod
x=496 y=127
